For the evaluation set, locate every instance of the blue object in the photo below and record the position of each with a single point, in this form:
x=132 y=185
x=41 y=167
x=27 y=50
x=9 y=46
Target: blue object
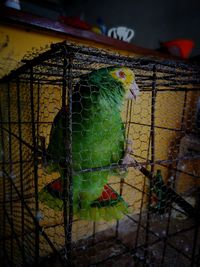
x=102 y=26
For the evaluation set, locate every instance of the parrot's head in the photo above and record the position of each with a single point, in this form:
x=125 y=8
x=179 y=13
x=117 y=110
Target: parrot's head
x=127 y=78
x=110 y=81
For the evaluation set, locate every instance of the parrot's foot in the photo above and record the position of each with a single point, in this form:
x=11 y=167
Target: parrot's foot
x=127 y=155
x=128 y=158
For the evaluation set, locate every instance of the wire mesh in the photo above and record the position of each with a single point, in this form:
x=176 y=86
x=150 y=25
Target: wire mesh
x=90 y=178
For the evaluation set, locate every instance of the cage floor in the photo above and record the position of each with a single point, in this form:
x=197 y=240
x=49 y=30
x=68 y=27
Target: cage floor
x=167 y=246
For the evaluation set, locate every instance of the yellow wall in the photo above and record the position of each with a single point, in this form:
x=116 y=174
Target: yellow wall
x=15 y=43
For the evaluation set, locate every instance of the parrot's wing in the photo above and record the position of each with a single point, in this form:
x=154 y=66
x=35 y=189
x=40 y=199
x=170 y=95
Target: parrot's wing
x=59 y=136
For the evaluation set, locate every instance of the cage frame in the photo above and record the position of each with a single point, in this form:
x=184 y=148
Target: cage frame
x=68 y=51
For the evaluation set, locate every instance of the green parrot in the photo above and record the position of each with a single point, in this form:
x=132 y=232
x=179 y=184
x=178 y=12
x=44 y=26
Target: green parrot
x=98 y=139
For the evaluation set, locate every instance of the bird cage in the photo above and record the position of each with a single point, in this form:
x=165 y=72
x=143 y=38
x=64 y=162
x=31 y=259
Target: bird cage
x=46 y=216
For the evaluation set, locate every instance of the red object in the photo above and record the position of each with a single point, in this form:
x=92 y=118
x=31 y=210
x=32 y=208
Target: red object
x=75 y=22
x=180 y=47
x=107 y=194
x=56 y=185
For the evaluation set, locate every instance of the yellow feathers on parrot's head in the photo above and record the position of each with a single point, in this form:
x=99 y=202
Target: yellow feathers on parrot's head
x=127 y=77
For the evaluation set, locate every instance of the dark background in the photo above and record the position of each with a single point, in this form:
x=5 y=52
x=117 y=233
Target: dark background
x=152 y=20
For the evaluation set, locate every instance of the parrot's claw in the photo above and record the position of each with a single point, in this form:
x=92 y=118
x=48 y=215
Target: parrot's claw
x=129 y=149
x=128 y=160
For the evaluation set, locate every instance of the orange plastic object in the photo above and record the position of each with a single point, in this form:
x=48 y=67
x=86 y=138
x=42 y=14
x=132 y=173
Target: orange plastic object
x=180 y=47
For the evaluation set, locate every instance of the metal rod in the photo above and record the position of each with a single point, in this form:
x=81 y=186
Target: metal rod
x=70 y=159
x=11 y=170
x=156 y=126
x=35 y=166
x=127 y=131
x=182 y=130
x=166 y=235
x=38 y=111
x=134 y=165
x=26 y=122
x=195 y=240
x=4 y=186
x=152 y=138
x=41 y=80
x=144 y=193
x=173 y=64
x=196 y=230
x=64 y=170
x=21 y=169
x=153 y=104
x=67 y=169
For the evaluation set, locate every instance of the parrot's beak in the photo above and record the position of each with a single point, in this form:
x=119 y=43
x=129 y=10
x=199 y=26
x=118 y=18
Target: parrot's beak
x=133 y=91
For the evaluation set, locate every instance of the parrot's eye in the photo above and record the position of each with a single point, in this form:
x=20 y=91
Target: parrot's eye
x=121 y=74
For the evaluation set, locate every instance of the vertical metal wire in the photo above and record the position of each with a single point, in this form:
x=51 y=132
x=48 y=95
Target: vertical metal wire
x=67 y=168
x=184 y=111
x=196 y=231
x=166 y=235
x=128 y=117
x=64 y=84
x=182 y=129
x=21 y=167
x=64 y=171
x=11 y=170
x=127 y=131
x=38 y=109
x=142 y=200
x=35 y=165
x=4 y=185
x=153 y=103
x=70 y=159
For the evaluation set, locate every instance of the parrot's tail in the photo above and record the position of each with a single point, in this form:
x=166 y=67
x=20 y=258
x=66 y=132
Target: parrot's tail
x=109 y=206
